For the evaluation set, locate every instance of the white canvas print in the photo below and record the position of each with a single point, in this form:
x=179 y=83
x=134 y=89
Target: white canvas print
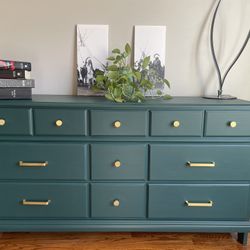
x=151 y=41
x=92 y=52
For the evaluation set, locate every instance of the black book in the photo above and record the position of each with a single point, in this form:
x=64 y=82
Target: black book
x=15 y=93
x=13 y=65
x=15 y=74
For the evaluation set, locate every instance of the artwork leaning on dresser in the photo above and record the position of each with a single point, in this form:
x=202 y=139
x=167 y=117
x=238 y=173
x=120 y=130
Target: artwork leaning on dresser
x=87 y=164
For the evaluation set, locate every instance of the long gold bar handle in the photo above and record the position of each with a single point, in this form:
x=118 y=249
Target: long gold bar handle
x=201 y=164
x=33 y=164
x=199 y=204
x=35 y=203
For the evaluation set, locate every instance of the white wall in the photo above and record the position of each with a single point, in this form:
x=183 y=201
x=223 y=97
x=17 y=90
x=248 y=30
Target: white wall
x=43 y=32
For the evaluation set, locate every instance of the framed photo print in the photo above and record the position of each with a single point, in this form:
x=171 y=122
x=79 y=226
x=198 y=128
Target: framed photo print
x=92 y=52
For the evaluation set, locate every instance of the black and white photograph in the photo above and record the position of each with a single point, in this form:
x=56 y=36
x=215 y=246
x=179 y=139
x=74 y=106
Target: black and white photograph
x=92 y=52
x=151 y=41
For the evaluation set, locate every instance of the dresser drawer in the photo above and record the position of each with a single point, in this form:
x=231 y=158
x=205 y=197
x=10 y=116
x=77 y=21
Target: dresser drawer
x=59 y=121
x=43 y=161
x=43 y=200
x=199 y=162
x=177 y=123
x=227 y=123
x=118 y=200
x=15 y=121
x=197 y=201
x=118 y=161
x=130 y=123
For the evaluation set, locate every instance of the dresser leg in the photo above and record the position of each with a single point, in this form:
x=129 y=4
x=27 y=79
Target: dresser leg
x=242 y=238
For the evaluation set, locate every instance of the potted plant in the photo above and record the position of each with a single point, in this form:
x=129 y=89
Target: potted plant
x=122 y=82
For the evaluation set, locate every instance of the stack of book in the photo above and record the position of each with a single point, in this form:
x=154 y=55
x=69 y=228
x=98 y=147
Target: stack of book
x=15 y=80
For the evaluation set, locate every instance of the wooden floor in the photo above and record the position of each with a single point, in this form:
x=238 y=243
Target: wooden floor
x=118 y=241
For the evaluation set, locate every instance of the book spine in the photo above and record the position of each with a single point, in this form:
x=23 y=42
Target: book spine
x=17 y=83
x=13 y=65
x=15 y=74
x=15 y=93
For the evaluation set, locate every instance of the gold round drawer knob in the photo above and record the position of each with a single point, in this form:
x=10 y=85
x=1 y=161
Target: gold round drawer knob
x=176 y=124
x=59 y=123
x=2 y=122
x=117 y=164
x=233 y=124
x=117 y=124
x=116 y=203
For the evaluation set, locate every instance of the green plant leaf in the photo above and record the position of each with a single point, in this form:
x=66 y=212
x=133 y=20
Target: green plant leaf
x=100 y=78
x=128 y=90
x=166 y=82
x=159 y=92
x=118 y=99
x=128 y=49
x=109 y=97
x=145 y=62
x=113 y=67
x=111 y=58
x=138 y=75
x=113 y=75
x=118 y=58
x=116 y=51
x=167 y=97
x=146 y=84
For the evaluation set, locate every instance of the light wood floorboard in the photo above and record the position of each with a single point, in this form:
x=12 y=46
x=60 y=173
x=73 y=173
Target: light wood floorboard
x=119 y=241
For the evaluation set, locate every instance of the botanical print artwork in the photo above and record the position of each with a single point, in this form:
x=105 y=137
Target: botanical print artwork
x=151 y=41
x=92 y=52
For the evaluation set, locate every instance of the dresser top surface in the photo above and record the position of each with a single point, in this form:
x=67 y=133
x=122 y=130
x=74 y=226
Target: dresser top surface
x=68 y=100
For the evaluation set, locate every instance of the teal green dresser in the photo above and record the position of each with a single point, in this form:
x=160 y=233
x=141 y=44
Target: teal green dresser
x=86 y=164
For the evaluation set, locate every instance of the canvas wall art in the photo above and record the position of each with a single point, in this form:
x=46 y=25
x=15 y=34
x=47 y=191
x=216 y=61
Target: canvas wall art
x=151 y=41
x=92 y=52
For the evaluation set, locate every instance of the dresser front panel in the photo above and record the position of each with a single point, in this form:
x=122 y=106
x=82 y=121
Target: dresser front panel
x=199 y=201
x=88 y=164
x=177 y=123
x=119 y=161
x=15 y=121
x=60 y=121
x=227 y=123
x=129 y=123
x=206 y=161
x=56 y=200
x=43 y=161
x=130 y=198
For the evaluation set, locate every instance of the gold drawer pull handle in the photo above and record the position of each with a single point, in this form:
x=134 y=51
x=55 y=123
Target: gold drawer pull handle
x=201 y=164
x=176 y=124
x=59 y=123
x=233 y=124
x=35 y=203
x=2 y=122
x=116 y=203
x=199 y=204
x=117 y=124
x=117 y=164
x=33 y=164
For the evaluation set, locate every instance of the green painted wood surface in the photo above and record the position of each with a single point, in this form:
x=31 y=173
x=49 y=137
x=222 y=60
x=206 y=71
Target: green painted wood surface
x=67 y=200
x=133 y=159
x=218 y=123
x=132 y=123
x=132 y=198
x=230 y=202
x=81 y=153
x=169 y=161
x=191 y=123
x=76 y=101
x=73 y=121
x=66 y=161
x=17 y=121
